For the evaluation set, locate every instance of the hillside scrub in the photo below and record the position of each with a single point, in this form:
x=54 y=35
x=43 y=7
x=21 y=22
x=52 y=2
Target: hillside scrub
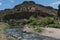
x=5 y=25
x=36 y=23
x=41 y=21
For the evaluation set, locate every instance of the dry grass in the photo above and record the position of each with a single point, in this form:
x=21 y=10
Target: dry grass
x=2 y=35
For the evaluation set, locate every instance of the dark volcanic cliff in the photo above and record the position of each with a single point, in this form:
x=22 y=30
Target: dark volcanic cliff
x=27 y=9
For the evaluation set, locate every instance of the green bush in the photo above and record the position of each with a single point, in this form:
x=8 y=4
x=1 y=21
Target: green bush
x=41 y=21
x=30 y=26
x=45 y=21
x=37 y=29
x=32 y=19
x=5 y=25
x=34 y=22
x=25 y=21
x=54 y=25
x=51 y=20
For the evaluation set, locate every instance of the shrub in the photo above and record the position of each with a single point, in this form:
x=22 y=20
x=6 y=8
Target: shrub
x=45 y=21
x=32 y=19
x=54 y=25
x=25 y=21
x=37 y=29
x=51 y=20
x=30 y=26
x=34 y=22
x=41 y=21
x=5 y=25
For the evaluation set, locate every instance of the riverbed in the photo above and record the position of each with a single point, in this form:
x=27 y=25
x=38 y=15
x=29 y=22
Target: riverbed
x=19 y=34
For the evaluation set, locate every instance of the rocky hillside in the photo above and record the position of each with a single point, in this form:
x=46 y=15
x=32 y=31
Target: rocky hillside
x=59 y=11
x=27 y=9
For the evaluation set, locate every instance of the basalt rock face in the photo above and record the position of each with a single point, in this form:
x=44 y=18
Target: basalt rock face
x=27 y=9
x=23 y=15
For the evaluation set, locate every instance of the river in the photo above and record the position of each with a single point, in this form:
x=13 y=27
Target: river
x=19 y=34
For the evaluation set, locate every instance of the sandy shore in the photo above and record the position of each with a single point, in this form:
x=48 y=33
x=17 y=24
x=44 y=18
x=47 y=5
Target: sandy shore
x=51 y=32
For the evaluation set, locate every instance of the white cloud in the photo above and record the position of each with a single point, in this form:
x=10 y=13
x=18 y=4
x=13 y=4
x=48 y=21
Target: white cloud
x=55 y=3
x=0 y=3
x=11 y=1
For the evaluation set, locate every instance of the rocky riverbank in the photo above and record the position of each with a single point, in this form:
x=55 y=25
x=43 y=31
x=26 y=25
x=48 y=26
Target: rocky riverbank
x=19 y=34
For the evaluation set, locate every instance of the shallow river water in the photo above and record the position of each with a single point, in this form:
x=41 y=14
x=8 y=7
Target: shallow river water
x=19 y=34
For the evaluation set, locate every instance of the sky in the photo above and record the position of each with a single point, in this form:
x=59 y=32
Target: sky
x=7 y=4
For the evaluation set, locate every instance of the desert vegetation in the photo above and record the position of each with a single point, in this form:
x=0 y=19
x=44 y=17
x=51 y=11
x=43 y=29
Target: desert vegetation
x=33 y=22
